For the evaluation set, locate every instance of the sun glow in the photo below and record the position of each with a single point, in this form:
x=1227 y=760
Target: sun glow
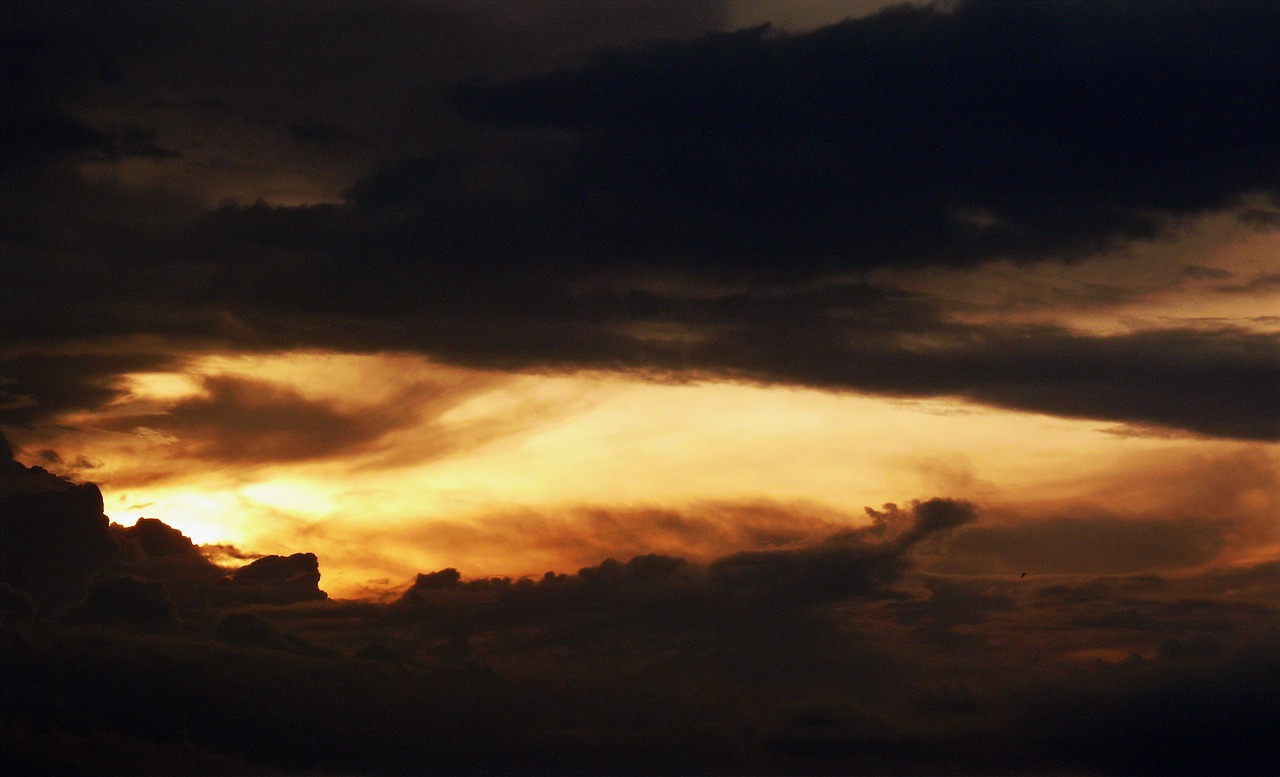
x=463 y=446
x=203 y=515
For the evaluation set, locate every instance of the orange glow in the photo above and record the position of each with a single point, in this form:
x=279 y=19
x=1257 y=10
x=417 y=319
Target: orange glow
x=479 y=458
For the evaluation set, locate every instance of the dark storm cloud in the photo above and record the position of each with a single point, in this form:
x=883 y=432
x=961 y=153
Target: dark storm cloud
x=673 y=598
x=265 y=277
x=32 y=138
x=837 y=334
x=366 y=69
x=153 y=550
x=276 y=580
x=57 y=546
x=693 y=207
x=1211 y=382
x=842 y=565
x=36 y=131
x=913 y=137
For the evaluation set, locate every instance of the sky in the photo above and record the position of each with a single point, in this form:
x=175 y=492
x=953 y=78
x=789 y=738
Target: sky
x=520 y=288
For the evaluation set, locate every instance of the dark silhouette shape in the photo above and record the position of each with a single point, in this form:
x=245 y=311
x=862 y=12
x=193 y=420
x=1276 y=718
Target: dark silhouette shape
x=53 y=534
x=276 y=580
x=128 y=602
x=247 y=630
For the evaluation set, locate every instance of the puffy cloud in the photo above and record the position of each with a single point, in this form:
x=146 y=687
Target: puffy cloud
x=275 y=580
x=53 y=534
x=153 y=550
x=827 y=655
x=58 y=547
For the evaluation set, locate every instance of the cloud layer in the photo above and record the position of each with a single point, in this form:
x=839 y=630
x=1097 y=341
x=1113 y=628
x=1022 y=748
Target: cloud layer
x=834 y=655
x=567 y=287
x=700 y=206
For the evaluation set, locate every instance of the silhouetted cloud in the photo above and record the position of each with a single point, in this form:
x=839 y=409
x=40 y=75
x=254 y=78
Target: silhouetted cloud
x=153 y=550
x=247 y=630
x=275 y=580
x=60 y=550
x=828 y=656
x=53 y=534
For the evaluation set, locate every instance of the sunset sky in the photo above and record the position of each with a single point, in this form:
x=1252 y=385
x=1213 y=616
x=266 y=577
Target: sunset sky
x=887 y=385
x=489 y=284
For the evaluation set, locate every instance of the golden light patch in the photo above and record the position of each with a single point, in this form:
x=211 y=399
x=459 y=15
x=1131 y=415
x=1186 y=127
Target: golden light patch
x=206 y=516
x=470 y=447
x=159 y=386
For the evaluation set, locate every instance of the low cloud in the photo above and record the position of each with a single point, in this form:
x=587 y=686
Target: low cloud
x=1089 y=544
x=833 y=654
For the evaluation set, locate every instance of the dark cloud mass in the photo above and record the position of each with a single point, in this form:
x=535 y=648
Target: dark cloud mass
x=839 y=656
x=527 y=220
x=1102 y=544
x=914 y=137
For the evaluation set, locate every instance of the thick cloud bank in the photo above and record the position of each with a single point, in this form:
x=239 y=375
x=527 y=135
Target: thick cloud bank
x=701 y=205
x=841 y=655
